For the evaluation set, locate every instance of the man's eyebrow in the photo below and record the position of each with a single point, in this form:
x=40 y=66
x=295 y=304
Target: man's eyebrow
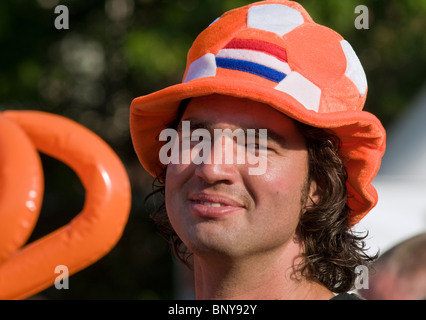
x=271 y=135
x=196 y=124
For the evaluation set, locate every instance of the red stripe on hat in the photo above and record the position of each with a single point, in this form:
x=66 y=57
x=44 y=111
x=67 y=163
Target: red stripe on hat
x=258 y=45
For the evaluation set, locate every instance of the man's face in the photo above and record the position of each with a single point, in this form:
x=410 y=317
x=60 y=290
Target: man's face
x=219 y=208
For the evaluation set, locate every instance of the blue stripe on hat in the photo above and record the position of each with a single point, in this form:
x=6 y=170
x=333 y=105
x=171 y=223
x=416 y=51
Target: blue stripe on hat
x=251 y=67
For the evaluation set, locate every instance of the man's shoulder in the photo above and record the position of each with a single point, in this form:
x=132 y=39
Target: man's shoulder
x=346 y=296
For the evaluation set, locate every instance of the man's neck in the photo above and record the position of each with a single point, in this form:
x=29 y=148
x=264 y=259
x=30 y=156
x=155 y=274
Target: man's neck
x=267 y=276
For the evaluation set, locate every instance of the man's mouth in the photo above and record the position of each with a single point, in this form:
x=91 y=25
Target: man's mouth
x=214 y=205
x=210 y=204
x=214 y=200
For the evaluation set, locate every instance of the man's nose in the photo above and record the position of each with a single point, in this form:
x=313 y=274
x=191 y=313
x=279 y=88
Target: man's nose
x=222 y=165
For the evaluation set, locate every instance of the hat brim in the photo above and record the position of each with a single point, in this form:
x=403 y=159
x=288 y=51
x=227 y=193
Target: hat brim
x=361 y=133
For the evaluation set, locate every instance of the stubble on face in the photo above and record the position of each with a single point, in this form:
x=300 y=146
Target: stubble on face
x=272 y=205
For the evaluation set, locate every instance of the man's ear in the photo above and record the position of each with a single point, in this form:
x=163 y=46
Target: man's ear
x=314 y=194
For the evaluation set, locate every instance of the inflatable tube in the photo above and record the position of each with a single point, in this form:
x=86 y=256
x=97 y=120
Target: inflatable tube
x=95 y=230
x=21 y=187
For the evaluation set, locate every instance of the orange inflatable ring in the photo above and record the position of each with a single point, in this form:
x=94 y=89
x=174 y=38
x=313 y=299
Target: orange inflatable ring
x=21 y=187
x=95 y=230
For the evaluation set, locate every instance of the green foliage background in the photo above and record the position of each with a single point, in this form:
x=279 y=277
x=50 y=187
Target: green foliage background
x=115 y=51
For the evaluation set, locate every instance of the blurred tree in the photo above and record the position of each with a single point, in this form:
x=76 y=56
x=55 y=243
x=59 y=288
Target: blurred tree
x=116 y=50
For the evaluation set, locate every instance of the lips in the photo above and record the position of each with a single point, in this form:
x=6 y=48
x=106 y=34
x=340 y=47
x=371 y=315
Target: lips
x=215 y=199
x=213 y=205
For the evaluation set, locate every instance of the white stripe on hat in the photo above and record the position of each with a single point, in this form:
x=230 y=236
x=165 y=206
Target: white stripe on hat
x=256 y=57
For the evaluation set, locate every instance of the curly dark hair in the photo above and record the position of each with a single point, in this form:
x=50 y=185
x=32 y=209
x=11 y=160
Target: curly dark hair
x=332 y=250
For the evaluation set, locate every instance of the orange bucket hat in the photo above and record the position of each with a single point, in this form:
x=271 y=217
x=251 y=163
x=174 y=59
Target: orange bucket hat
x=274 y=53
